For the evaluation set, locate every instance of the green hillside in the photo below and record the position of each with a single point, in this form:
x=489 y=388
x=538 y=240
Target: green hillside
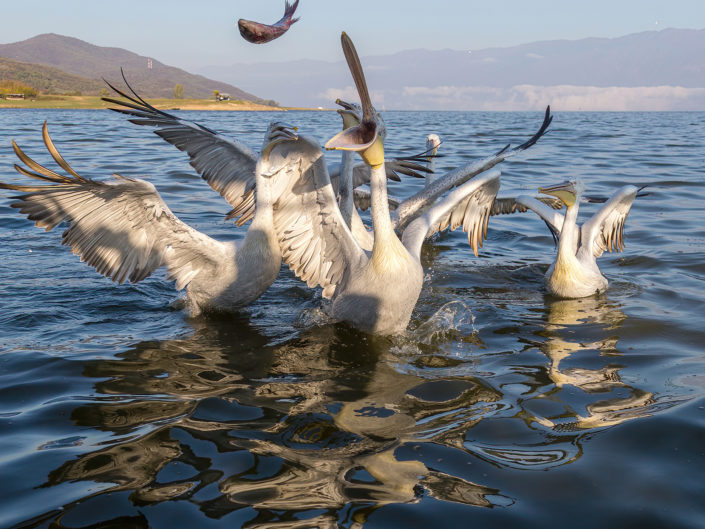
x=67 y=64
x=48 y=80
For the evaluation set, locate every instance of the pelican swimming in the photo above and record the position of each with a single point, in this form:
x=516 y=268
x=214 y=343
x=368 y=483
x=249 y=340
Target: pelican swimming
x=374 y=291
x=433 y=142
x=124 y=230
x=575 y=274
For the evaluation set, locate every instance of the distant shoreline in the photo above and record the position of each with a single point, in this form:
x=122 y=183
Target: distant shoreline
x=96 y=103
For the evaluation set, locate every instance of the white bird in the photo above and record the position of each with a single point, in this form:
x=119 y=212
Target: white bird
x=433 y=142
x=374 y=291
x=352 y=175
x=124 y=230
x=575 y=273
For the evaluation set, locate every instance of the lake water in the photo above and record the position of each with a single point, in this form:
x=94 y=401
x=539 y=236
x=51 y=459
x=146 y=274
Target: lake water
x=500 y=407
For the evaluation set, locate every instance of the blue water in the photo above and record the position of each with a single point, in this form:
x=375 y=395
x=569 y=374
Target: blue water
x=500 y=407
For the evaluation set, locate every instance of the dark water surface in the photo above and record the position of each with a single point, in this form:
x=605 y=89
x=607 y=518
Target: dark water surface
x=499 y=408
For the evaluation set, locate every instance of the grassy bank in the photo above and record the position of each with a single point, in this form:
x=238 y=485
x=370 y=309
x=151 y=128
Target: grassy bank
x=78 y=102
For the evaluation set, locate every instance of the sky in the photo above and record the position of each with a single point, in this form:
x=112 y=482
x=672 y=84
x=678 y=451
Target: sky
x=191 y=35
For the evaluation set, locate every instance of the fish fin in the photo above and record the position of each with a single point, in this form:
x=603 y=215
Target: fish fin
x=289 y=10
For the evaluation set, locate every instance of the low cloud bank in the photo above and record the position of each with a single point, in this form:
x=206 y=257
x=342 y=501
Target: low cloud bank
x=533 y=97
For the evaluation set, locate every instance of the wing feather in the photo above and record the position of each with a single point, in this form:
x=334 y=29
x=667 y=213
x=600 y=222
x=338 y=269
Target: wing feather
x=412 y=207
x=605 y=229
x=469 y=206
x=121 y=227
x=545 y=210
x=227 y=165
x=316 y=243
x=510 y=205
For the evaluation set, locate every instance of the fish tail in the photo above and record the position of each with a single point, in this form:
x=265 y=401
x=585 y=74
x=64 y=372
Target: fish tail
x=289 y=10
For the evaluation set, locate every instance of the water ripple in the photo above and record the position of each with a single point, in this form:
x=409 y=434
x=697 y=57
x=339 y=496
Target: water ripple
x=499 y=406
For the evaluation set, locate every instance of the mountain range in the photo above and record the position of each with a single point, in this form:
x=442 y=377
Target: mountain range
x=653 y=70
x=82 y=66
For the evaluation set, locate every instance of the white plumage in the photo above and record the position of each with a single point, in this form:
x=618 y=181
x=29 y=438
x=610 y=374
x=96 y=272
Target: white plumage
x=124 y=230
x=575 y=273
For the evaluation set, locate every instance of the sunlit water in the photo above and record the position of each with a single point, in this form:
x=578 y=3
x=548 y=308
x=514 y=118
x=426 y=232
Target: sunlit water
x=500 y=407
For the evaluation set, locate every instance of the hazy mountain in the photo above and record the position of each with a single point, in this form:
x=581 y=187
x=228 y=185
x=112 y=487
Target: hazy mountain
x=651 y=70
x=79 y=58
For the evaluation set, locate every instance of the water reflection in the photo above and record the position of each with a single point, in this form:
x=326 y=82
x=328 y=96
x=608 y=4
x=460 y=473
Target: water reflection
x=225 y=421
x=627 y=402
x=548 y=410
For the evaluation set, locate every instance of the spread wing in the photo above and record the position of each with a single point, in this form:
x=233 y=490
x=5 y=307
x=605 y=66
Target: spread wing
x=315 y=241
x=410 y=208
x=122 y=228
x=605 y=229
x=469 y=206
x=227 y=165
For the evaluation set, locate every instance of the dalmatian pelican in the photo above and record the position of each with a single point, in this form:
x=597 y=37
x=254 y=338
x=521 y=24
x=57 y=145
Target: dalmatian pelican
x=575 y=273
x=376 y=290
x=123 y=229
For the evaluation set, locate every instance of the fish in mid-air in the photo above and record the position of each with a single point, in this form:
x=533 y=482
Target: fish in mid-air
x=260 y=33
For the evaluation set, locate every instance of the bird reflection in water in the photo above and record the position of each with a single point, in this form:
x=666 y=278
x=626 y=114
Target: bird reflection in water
x=628 y=402
x=556 y=418
x=227 y=421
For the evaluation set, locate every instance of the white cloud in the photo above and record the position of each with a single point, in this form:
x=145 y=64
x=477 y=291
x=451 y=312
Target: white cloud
x=618 y=98
x=349 y=93
x=529 y=97
x=534 y=56
x=560 y=97
x=346 y=94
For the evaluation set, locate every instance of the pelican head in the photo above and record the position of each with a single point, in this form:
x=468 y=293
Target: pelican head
x=277 y=132
x=351 y=113
x=367 y=137
x=432 y=144
x=568 y=192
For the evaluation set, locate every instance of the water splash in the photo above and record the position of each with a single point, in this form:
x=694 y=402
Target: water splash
x=452 y=321
x=313 y=317
x=445 y=341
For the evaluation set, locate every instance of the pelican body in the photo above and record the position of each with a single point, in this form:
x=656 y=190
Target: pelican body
x=373 y=290
x=378 y=294
x=575 y=273
x=123 y=229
